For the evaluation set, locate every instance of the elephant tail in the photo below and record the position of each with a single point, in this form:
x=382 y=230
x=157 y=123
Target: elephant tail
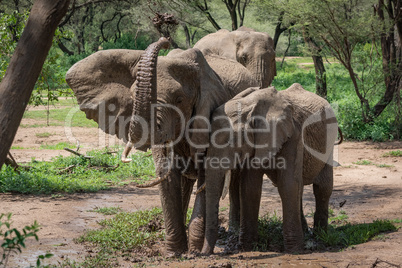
x=340 y=137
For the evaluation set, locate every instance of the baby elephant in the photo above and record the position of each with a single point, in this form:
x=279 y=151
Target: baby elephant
x=287 y=135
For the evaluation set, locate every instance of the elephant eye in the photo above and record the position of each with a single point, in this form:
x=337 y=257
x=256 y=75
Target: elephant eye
x=244 y=58
x=179 y=100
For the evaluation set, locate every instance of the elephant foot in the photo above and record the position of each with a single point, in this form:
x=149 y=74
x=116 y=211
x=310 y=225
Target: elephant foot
x=207 y=250
x=295 y=246
x=196 y=235
x=174 y=250
x=174 y=253
x=320 y=223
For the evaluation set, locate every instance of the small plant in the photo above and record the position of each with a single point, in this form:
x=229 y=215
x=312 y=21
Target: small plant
x=14 y=240
x=338 y=219
x=269 y=233
x=125 y=232
x=384 y=166
x=107 y=210
x=397 y=153
x=43 y=135
x=363 y=162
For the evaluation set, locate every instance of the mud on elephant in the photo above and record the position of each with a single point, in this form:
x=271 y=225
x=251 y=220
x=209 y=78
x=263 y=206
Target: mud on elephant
x=287 y=135
x=151 y=101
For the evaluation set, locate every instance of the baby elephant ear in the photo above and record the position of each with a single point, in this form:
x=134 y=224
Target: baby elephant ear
x=272 y=123
x=101 y=84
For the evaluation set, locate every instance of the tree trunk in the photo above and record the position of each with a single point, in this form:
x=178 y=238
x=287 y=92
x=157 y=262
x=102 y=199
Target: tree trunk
x=279 y=29
x=25 y=67
x=187 y=34
x=320 y=75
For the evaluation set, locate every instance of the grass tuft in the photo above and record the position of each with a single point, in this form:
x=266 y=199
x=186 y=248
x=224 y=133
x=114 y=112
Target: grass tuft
x=363 y=162
x=107 y=210
x=397 y=153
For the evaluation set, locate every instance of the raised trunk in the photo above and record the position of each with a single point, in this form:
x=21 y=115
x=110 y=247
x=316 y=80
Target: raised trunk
x=145 y=91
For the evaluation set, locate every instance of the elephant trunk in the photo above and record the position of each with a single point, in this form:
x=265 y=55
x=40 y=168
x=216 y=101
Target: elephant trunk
x=145 y=92
x=261 y=74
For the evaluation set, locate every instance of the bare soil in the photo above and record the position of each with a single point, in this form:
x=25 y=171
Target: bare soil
x=371 y=192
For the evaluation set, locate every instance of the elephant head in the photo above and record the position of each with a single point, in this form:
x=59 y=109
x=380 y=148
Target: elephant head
x=254 y=50
x=153 y=101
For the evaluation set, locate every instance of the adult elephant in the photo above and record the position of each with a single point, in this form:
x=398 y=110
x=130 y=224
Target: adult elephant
x=287 y=135
x=254 y=50
x=119 y=89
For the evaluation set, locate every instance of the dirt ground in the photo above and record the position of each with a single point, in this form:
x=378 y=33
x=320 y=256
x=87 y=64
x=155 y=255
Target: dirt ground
x=370 y=191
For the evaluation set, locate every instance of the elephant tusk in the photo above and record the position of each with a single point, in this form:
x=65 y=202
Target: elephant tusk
x=152 y=183
x=202 y=188
x=125 y=153
x=226 y=185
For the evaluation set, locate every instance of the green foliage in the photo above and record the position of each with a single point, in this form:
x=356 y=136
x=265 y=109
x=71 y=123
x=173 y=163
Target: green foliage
x=13 y=240
x=128 y=230
x=340 y=233
x=77 y=174
x=107 y=210
x=58 y=146
x=129 y=42
x=363 y=162
x=11 y=27
x=51 y=79
x=349 y=235
x=397 y=153
x=43 y=135
x=270 y=235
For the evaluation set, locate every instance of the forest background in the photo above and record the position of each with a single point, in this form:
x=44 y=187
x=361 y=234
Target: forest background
x=348 y=51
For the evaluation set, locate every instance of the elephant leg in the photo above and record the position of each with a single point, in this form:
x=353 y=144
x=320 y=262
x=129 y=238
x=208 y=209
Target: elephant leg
x=196 y=227
x=234 y=198
x=214 y=184
x=290 y=185
x=187 y=190
x=303 y=218
x=250 y=198
x=322 y=188
x=170 y=192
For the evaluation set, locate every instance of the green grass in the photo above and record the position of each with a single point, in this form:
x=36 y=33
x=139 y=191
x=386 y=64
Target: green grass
x=16 y=147
x=349 y=235
x=384 y=165
x=397 y=153
x=128 y=230
x=43 y=135
x=51 y=124
x=363 y=162
x=76 y=174
x=61 y=117
x=340 y=233
x=107 y=210
x=367 y=162
x=58 y=146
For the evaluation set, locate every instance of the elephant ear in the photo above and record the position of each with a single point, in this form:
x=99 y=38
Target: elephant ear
x=101 y=84
x=271 y=121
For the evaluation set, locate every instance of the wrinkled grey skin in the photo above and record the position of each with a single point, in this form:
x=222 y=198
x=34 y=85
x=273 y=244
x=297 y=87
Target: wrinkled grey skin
x=107 y=85
x=298 y=120
x=254 y=50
